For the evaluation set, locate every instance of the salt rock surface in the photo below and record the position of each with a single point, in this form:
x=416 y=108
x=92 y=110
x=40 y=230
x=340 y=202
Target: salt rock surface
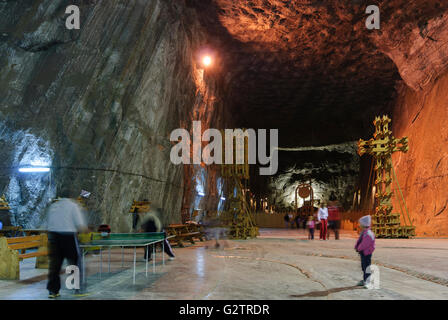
x=103 y=101
x=423 y=171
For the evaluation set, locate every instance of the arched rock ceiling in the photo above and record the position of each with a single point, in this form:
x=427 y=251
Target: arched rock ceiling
x=310 y=67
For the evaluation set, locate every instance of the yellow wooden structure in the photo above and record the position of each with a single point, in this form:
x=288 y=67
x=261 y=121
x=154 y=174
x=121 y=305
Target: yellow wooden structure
x=13 y=250
x=184 y=232
x=4 y=204
x=237 y=215
x=386 y=224
x=142 y=206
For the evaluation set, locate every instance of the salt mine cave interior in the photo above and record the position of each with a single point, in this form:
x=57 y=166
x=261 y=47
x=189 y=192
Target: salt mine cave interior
x=97 y=104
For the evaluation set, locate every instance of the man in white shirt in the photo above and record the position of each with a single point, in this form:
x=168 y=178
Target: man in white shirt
x=322 y=216
x=64 y=220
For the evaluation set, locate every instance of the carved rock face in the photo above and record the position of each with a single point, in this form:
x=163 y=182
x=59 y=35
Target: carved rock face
x=422 y=171
x=422 y=55
x=333 y=171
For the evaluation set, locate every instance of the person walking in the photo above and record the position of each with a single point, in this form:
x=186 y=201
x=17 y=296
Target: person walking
x=291 y=220
x=297 y=220
x=215 y=230
x=135 y=219
x=365 y=247
x=334 y=218
x=322 y=216
x=64 y=220
x=286 y=219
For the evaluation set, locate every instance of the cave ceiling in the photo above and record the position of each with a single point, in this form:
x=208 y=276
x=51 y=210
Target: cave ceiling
x=309 y=67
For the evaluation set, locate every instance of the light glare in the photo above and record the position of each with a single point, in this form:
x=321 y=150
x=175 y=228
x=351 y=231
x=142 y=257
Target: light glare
x=28 y=170
x=207 y=61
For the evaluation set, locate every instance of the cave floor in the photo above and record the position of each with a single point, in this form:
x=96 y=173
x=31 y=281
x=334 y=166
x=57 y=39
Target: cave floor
x=279 y=264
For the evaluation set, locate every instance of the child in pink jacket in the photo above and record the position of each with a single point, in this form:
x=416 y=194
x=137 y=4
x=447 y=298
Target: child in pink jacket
x=310 y=224
x=365 y=246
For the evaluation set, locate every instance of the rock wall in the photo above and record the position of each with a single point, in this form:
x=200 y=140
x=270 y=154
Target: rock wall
x=98 y=105
x=332 y=170
x=27 y=193
x=422 y=171
x=414 y=38
x=417 y=46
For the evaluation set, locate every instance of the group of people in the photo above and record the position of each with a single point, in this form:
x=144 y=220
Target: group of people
x=329 y=218
x=65 y=219
x=326 y=218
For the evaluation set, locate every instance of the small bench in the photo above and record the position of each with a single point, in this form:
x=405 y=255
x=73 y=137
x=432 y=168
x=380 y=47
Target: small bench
x=14 y=250
x=182 y=232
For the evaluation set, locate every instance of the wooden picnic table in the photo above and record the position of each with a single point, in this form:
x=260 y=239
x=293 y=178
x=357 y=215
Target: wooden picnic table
x=184 y=232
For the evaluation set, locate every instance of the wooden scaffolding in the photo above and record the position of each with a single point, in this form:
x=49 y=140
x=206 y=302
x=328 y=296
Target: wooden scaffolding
x=237 y=215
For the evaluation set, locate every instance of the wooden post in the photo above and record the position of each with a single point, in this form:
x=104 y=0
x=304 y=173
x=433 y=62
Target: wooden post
x=42 y=262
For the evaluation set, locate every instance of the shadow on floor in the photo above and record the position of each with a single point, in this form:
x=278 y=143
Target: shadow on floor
x=325 y=292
